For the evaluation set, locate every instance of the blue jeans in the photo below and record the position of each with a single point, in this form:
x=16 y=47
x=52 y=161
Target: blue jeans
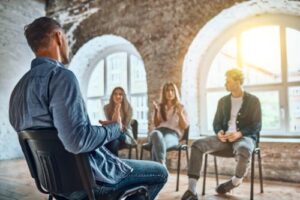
x=162 y=139
x=145 y=173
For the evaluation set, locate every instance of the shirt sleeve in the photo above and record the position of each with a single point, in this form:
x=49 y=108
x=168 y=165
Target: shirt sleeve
x=70 y=117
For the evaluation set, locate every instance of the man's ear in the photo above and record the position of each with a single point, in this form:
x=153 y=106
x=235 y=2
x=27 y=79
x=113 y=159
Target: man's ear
x=58 y=38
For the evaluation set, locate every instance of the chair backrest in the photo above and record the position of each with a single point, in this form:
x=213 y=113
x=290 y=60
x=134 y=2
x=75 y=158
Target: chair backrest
x=53 y=168
x=135 y=126
x=186 y=135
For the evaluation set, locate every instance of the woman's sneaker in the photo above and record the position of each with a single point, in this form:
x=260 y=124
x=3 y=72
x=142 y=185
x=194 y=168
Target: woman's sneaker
x=188 y=195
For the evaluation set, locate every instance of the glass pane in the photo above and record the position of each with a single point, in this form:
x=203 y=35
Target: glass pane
x=224 y=60
x=212 y=103
x=270 y=106
x=116 y=71
x=95 y=110
x=294 y=109
x=140 y=111
x=293 y=58
x=96 y=82
x=261 y=55
x=137 y=75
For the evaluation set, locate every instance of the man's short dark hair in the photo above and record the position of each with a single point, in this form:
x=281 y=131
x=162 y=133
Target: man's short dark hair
x=39 y=32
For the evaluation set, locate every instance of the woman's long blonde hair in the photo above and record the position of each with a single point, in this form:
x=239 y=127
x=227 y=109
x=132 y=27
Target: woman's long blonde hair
x=163 y=99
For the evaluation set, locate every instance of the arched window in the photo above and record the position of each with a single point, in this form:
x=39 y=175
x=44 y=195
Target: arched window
x=267 y=52
x=119 y=68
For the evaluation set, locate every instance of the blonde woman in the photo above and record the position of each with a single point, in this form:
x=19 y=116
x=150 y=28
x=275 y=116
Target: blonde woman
x=170 y=120
x=119 y=106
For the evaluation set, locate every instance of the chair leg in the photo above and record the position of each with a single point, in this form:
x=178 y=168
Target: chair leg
x=204 y=174
x=50 y=197
x=260 y=172
x=136 y=153
x=187 y=157
x=216 y=170
x=178 y=169
x=129 y=154
x=252 y=175
x=142 y=151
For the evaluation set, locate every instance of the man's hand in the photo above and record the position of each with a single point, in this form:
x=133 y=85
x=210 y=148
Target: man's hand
x=221 y=135
x=234 y=136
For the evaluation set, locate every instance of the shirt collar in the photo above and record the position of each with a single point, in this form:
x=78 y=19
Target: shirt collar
x=41 y=60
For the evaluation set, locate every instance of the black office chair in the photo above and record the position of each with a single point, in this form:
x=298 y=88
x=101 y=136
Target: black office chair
x=179 y=148
x=256 y=151
x=134 y=126
x=56 y=170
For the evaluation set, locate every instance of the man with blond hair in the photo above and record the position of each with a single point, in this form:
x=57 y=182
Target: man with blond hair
x=237 y=123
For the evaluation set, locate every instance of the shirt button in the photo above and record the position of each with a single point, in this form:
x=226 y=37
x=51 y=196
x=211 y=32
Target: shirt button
x=237 y=122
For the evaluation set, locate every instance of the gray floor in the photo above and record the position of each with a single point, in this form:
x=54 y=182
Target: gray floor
x=16 y=183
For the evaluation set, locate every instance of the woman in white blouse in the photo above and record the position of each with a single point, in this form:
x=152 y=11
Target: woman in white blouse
x=170 y=120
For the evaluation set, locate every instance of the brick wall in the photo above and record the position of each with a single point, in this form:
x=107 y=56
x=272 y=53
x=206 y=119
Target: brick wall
x=162 y=32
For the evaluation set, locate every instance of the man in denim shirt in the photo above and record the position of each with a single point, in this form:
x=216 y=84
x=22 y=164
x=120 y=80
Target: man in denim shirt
x=237 y=124
x=48 y=96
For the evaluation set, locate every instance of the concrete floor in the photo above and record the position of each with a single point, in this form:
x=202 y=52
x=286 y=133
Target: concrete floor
x=16 y=183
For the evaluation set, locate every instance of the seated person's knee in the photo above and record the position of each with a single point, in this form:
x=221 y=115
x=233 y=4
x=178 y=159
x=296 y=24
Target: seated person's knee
x=243 y=151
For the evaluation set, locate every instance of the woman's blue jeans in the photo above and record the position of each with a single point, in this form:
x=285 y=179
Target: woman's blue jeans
x=162 y=139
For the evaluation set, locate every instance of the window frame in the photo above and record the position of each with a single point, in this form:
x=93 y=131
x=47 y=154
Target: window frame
x=105 y=97
x=283 y=21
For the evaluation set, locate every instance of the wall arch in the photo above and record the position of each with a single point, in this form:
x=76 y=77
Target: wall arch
x=212 y=37
x=86 y=58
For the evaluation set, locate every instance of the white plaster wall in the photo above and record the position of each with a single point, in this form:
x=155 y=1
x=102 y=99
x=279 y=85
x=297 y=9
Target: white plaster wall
x=15 y=59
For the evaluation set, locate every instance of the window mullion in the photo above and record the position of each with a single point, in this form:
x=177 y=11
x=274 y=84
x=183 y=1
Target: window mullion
x=284 y=91
x=128 y=74
x=105 y=76
x=239 y=56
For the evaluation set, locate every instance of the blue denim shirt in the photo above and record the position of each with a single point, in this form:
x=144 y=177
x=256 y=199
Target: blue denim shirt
x=48 y=96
